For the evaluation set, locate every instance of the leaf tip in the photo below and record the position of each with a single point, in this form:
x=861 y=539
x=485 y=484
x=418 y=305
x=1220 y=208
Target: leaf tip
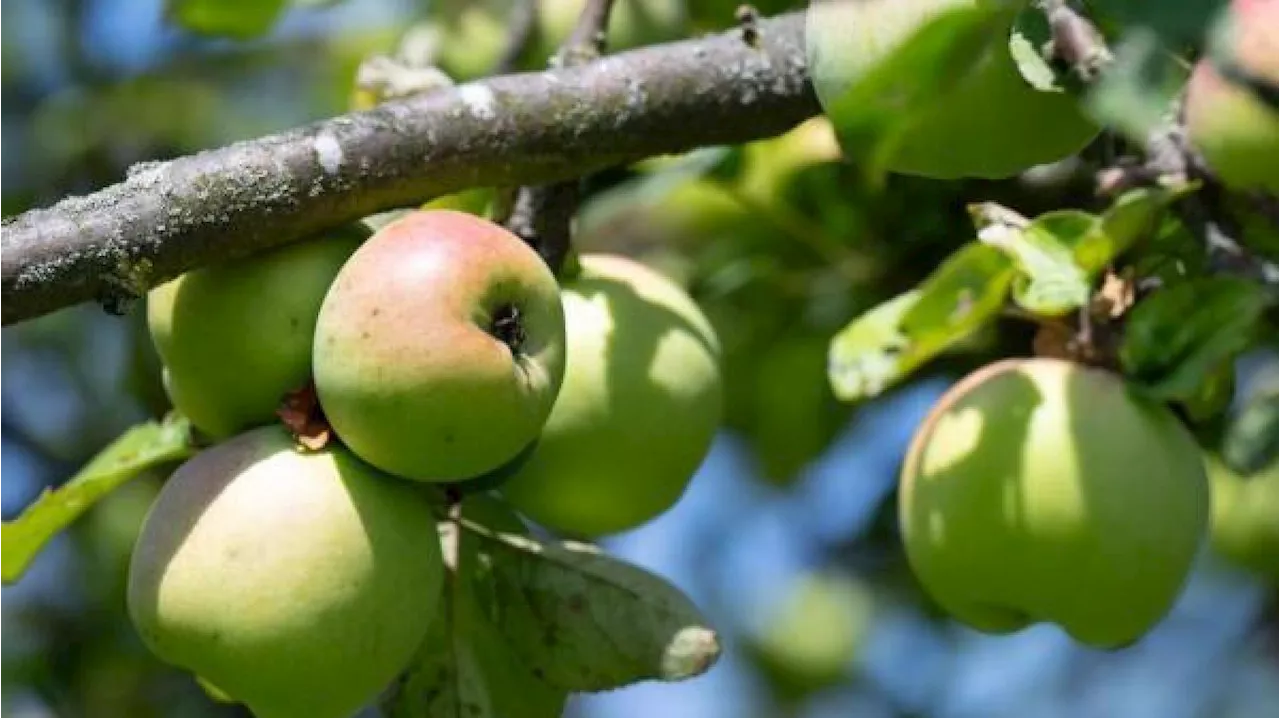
x=691 y=652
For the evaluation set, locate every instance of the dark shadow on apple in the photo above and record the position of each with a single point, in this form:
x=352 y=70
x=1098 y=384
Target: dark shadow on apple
x=1137 y=502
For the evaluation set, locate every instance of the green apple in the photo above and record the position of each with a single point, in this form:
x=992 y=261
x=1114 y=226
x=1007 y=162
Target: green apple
x=439 y=348
x=639 y=407
x=991 y=123
x=298 y=583
x=1233 y=126
x=812 y=638
x=1041 y=490
x=234 y=338
x=1243 y=527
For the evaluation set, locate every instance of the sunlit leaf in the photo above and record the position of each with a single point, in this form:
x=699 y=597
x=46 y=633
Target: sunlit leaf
x=141 y=448
x=1049 y=281
x=1134 y=215
x=1176 y=337
x=884 y=345
x=865 y=357
x=239 y=19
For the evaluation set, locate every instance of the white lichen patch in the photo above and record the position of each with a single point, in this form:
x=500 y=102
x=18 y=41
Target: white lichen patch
x=479 y=100
x=328 y=152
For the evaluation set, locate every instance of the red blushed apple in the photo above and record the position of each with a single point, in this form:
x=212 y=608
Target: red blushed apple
x=439 y=349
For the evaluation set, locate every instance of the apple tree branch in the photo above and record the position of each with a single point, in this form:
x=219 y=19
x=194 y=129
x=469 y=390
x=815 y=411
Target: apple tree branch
x=524 y=129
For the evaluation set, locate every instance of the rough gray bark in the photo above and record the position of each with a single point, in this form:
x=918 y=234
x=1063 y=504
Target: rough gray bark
x=512 y=130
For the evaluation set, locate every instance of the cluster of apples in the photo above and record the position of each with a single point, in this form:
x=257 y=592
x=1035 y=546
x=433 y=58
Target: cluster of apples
x=299 y=577
x=1043 y=490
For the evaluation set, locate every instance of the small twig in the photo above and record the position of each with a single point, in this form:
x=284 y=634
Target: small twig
x=542 y=215
x=587 y=41
x=748 y=18
x=521 y=27
x=1076 y=40
x=1170 y=160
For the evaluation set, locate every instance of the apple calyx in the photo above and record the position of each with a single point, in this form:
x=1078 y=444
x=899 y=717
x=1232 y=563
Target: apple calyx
x=508 y=327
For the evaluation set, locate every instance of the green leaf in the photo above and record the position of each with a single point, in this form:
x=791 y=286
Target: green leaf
x=1250 y=441
x=1060 y=254
x=239 y=19
x=1134 y=215
x=884 y=345
x=140 y=448
x=524 y=623
x=466 y=670
x=1049 y=281
x=865 y=356
x=1176 y=24
x=873 y=84
x=585 y=621
x=465 y=667
x=1212 y=397
x=1176 y=337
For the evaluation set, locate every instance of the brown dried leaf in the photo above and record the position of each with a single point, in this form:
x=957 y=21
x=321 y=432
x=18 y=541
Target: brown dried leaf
x=1116 y=295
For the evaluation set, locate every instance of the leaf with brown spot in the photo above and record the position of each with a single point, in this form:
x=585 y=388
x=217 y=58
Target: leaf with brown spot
x=465 y=667
x=589 y=621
